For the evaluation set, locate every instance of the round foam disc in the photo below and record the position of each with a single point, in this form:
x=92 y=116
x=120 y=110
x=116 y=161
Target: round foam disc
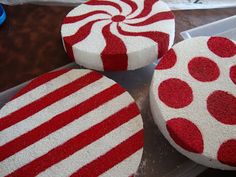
x=118 y=35
x=193 y=100
x=71 y=122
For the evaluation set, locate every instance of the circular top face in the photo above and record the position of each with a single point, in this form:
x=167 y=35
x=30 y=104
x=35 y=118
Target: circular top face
x=71 y=122
x=118 y=35
x=193 y=100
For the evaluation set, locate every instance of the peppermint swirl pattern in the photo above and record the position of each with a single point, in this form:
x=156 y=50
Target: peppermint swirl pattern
x=118 y=35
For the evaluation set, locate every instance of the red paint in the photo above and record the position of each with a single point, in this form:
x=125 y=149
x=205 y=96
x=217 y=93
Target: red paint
x=132 y=4
x=162 y=39
x=113 y=157
x=81 y=141
x=186 y=134
x=114 y=56
x=59 y=121
x=148 y=4
x=74 y=19
x=175 y=93
x=80 y=35
x=118 y=18
x=106 y=3
x=47 y=100
x=232 y=74
x=227 y=153
x=155 y=18
x=222 y=47
x=222 y=106
x=167 y=61
x=203 y=69
x=40 y=81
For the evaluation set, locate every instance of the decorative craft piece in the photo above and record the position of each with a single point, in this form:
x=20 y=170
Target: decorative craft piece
x=193 y=100
x=118 y=35
x=71 y=122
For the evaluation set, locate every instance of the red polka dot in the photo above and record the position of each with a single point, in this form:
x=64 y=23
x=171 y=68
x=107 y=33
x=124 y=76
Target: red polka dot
x=222 y=106
x=203 y=69
x=233 y=74
x=185 y=134
x=175 y=93
x=168 y=60
x=222 y=47
x=227 y=153
x=118 y=18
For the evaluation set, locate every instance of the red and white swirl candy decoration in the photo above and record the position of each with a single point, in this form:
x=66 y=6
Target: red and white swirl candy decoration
x=117 y=35
x=193 y=100
x=71 y=122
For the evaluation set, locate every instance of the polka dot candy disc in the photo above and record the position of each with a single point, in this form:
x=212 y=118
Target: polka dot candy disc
x=118 y=35
x=193 y=100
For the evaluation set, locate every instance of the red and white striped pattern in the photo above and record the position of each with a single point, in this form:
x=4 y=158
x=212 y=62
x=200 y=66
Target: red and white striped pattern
x=193 y=100
x=118 y=35
x=71 y=122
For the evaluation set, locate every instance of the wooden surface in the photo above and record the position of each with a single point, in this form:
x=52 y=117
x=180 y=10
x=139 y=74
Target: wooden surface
x=30 y=44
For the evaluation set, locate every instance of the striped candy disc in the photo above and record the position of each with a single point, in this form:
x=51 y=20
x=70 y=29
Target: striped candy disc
x=71 y=122
x=193 y=100
x=118 y=35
